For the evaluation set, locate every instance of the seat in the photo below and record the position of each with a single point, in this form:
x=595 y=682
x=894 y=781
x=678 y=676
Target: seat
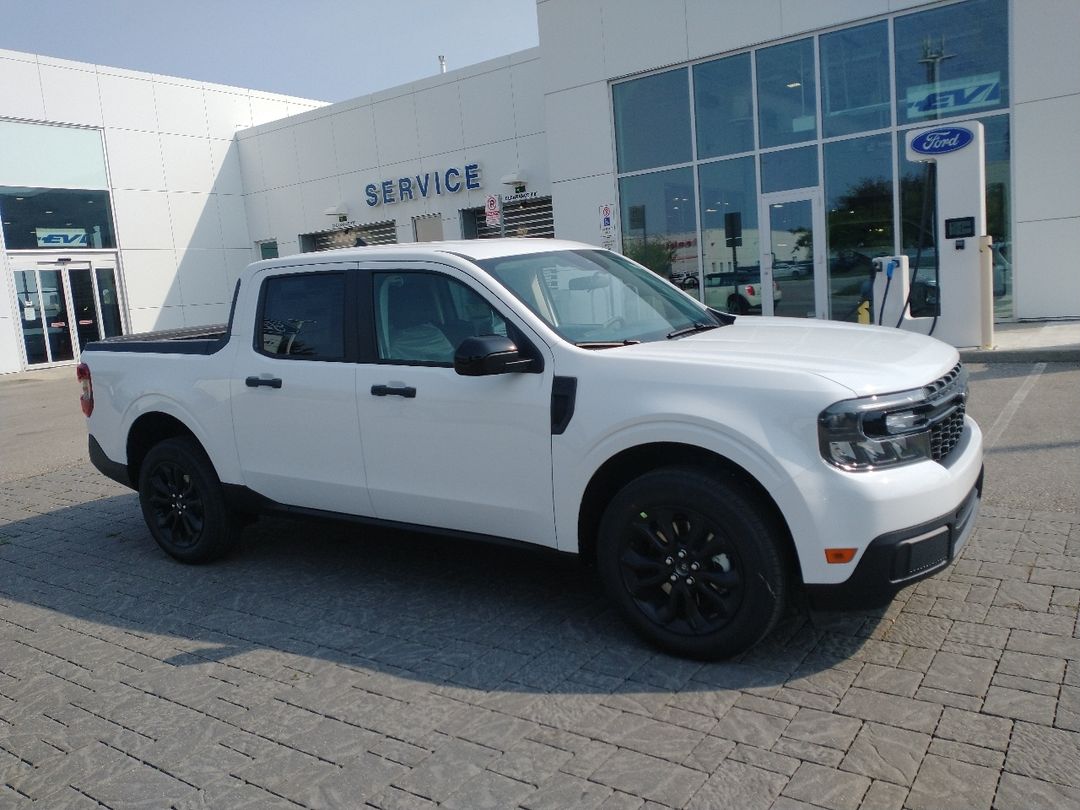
x=411 y=316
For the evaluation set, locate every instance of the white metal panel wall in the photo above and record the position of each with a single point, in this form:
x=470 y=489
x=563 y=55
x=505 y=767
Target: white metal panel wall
x=1046 y=161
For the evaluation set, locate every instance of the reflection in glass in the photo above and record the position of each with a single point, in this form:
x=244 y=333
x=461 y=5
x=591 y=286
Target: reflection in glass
x=109 y=302
x=729 y=220
x=859 y=220
x=659 y=228
x=723 y=106
x=787 y=93
x=998 y=195
x=29 y=304
x=855 y=80
x=82 y=296
x=56 y=219
x=788 y=169
x=791 y=235
x=952 y=61
x=304 y=316
x=56 y=315
x=652 y=120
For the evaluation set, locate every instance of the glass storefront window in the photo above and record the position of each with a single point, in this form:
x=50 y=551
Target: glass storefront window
x=998 y=195
x=652 y=121
x=658 y=222
x=789 y=168
x=51 y=156
x=729 y=216
x=787 y=93
x=952 y=61
x=855 y=80
x=56 y=219
x=859 y=218
x=724 y=107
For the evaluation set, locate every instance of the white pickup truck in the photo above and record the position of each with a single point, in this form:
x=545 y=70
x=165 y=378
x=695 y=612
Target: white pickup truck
x=555 y=394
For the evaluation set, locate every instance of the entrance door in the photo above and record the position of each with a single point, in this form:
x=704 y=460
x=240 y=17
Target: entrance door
x=62 y=306
x=793 y=254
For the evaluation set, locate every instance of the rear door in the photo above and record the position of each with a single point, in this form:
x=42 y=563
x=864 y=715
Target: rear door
x=293 y=391
x=466 y=453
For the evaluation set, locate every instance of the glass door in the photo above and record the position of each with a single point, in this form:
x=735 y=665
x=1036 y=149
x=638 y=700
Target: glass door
x=62 y=306
x=793 y=254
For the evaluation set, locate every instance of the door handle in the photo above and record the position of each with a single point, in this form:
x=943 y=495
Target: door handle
x=387 y=391
x=269 y=382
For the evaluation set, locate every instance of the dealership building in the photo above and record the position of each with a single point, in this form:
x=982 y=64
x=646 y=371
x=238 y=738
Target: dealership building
x=717 y=143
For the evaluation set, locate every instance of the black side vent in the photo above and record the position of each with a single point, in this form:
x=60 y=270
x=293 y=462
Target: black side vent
x=563 y=395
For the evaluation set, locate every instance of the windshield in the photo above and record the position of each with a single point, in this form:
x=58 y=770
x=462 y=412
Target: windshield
x=598 y=299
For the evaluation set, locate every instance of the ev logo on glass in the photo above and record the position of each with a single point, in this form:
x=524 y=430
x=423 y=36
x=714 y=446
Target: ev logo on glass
x=942 y=141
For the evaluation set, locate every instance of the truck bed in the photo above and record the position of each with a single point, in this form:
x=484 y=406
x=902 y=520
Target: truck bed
x=188 y=340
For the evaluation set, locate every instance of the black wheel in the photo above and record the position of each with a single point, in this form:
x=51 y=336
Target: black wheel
x=738 y=305
x=183 y=503
x=694 y=561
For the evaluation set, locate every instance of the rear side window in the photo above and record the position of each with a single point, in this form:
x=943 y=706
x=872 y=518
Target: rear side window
x=303 y=317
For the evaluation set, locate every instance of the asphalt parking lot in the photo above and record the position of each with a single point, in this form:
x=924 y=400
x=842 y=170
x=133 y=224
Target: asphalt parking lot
x=325 y=667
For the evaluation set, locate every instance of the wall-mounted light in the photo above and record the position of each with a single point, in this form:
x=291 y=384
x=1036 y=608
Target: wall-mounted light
x=341 y=211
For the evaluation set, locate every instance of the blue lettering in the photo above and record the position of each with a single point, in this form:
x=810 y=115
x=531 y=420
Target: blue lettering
x=457 y=185
x=438 y=189
x=388 y=191
x=404 y=188
x=472 y=176
x=372 y=194
x=423 y=184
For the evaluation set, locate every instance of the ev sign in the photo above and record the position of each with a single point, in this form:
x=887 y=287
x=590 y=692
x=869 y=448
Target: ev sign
x=61 y=237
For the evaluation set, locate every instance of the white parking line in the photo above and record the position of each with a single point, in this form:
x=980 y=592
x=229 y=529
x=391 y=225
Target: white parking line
x=1009 y=411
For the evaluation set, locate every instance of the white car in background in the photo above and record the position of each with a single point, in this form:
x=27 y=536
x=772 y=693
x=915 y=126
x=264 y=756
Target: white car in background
x=738 y=291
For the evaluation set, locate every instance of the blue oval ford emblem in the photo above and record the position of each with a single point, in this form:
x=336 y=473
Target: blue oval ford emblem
x=942 y=141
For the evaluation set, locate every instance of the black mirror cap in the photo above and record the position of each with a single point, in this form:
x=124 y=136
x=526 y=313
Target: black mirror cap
x=488 y=354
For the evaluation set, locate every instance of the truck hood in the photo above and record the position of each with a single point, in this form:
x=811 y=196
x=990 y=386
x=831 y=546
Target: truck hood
x=865 y=359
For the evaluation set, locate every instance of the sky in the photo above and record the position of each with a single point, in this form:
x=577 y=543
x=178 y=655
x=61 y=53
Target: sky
x=328 y=50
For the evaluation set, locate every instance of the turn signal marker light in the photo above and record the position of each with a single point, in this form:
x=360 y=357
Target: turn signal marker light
x=839 y=556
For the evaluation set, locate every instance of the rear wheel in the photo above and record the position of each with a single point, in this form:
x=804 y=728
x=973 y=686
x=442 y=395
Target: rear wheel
x=738 y=305
x=183 y=502
x=694 y=561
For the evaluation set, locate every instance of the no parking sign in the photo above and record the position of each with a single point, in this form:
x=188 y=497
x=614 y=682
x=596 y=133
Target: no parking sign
x=607 y=226
x=492 y=211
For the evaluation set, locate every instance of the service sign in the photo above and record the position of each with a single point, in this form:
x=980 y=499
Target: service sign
x=61 y=237
x=943 y=140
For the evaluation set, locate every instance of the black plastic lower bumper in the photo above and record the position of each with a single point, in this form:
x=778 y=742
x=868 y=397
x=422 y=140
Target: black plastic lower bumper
x=895 y=560
x=107 y=467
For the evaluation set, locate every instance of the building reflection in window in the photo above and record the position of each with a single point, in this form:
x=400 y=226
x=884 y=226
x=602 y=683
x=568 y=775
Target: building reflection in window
x=659 y=227
x=859 y=218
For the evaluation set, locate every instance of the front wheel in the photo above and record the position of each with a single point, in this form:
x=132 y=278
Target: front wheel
x=694 y=561
x=183 y=503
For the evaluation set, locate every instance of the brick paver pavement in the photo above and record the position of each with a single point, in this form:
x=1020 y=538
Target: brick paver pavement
x=323 y=666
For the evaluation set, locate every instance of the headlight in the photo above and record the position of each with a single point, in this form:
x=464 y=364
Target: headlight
x=878 y=431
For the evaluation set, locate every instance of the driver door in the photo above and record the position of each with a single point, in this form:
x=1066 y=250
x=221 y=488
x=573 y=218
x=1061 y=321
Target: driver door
x=471 y=454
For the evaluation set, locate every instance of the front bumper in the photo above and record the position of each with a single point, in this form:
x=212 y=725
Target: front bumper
x=897 y=559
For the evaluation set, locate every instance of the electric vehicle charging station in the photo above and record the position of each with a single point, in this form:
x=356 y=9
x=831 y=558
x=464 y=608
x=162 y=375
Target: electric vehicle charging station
x=964 y=277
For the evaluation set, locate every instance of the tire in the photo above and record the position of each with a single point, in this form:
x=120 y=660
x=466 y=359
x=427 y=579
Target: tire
x=738 y=305
x=183 y=502
x=694 y=561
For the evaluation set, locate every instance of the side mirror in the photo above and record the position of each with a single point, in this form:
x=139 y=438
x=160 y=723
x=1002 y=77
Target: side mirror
x=488 y=354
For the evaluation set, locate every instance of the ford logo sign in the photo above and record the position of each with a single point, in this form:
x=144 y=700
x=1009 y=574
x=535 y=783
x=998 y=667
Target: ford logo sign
x=942 y=141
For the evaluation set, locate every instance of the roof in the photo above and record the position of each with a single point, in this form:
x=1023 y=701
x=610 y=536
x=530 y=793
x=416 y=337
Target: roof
x=472 y=249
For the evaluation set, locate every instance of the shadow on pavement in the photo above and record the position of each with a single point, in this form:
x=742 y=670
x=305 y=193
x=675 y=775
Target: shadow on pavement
x=442 y=612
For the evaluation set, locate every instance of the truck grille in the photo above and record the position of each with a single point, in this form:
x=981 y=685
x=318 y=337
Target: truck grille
x=949 y=397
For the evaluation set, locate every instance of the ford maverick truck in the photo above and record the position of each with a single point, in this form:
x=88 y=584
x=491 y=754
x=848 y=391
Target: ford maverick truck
x=555 y=394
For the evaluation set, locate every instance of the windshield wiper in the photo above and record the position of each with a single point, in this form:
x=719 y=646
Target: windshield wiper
x=605 y=344
x=689 y=330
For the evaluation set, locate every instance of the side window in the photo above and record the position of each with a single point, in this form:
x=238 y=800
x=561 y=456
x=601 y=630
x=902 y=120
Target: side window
x=423 y=317
x=303 y=316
